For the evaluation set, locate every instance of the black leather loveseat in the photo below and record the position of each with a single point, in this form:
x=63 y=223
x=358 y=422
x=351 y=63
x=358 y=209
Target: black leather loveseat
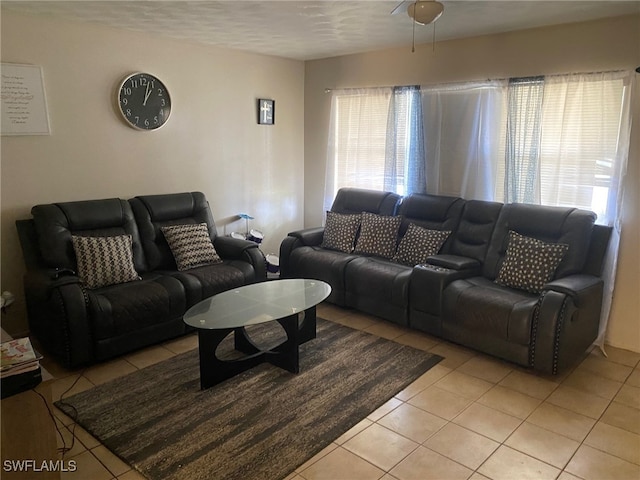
x=521 y=282
x=80 y=320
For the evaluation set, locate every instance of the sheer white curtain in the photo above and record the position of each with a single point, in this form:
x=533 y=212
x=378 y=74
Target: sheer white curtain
x=357 y=140
x=584 y=147
x=464 y=132
x=405 y=166
x=522 y=147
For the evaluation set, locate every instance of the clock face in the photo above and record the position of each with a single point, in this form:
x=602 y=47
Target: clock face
x=144 y=101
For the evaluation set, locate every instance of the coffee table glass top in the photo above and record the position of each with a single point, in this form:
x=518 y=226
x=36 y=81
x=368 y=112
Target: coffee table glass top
x=257 y=303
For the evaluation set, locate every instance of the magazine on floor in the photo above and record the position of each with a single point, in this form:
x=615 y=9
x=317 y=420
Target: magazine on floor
x=18 y=356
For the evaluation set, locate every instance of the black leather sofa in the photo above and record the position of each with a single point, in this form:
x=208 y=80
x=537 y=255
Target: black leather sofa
x=300 y=251
x=458 y=294
x=381 y=287
x=81 y=325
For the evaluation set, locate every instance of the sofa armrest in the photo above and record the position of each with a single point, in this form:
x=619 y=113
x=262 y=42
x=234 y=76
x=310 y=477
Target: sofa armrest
x=566 y=322
x=578 y=287
x=428 y=283
x=309 y=236
x=454 y=262
x=57 y=307
x=230 y=248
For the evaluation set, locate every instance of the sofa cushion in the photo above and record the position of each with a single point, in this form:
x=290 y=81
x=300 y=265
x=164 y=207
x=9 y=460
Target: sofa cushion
x=322 y=264
x=435 y=212
x=340 y=231
x=357 y=200
x=419 y=243
x=566 y=225
x=55 y=223
x=530 y=263
x=473 y=235
x=118 y=310
x=378 y=235
x=191 y=245
x=155 y=211
x=104 y=261
x=379 y=287
x=208 y=280
x=480 y=306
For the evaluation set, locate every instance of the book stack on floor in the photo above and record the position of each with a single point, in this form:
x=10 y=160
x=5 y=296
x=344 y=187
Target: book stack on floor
x=20 y=367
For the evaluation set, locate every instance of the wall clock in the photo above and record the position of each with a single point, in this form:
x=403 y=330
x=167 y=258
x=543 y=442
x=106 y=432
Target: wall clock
x=144 y=101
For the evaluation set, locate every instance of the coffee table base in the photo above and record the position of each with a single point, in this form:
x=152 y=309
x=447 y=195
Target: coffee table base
x=285 y=355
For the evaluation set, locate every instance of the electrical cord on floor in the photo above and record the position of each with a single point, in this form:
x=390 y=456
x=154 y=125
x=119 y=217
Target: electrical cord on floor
x=74 y=416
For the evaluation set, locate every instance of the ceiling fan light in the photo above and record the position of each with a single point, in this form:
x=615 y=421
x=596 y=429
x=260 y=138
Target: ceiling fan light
x=426 y=11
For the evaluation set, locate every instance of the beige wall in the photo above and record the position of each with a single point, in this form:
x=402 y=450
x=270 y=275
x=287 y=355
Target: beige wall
x=593 y=46
x=211 y=142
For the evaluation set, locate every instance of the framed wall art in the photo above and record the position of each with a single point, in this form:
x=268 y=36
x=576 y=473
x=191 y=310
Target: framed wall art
x=24 y=106
x=266 y=111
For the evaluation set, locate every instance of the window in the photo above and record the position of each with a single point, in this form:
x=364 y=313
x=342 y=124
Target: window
x=360 y=133
x=375 y=141
x=552 y=140
x=581 y=118
x=563 y=141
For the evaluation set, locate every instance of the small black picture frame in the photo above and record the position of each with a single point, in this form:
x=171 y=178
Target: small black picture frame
x=266 y=111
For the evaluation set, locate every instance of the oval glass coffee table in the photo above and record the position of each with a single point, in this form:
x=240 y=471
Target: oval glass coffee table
x=291 y=303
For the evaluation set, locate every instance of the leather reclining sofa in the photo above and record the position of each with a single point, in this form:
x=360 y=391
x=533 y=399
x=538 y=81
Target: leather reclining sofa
x=456 y=294
x=80 y=325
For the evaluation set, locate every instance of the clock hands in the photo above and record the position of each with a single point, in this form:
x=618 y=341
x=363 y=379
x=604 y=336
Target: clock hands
x=147 y=93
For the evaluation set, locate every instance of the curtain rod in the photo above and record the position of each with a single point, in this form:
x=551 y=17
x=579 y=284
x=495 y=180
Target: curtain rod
x=329 y=90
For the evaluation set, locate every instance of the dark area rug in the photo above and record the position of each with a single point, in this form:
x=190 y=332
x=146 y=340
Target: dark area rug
x=263 y=423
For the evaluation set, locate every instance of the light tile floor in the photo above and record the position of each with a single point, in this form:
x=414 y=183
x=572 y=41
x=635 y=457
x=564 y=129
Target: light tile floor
x=469 y=417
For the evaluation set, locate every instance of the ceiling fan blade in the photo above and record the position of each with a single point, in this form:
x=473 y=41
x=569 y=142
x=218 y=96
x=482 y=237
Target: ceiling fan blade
x=401 y=7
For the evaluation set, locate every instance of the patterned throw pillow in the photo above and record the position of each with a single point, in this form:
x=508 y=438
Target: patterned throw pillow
x=529 y=263
x=104 y=261
x=191 y=245
x=418 y=243
x=378 y=235
x=340 y=231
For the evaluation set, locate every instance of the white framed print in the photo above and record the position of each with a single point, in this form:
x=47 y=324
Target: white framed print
x=24 y=105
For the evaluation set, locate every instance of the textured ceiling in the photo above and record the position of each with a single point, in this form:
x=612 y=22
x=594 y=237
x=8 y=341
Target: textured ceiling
x=311 y=29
